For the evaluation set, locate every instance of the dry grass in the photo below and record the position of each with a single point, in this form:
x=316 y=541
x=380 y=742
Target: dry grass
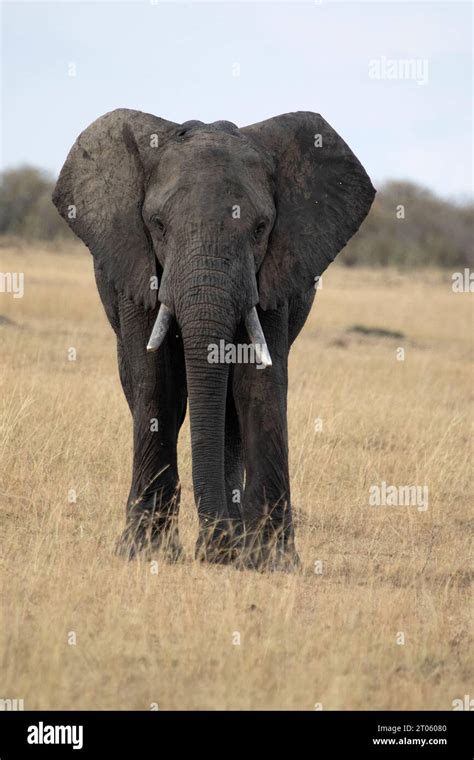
x=306 y=638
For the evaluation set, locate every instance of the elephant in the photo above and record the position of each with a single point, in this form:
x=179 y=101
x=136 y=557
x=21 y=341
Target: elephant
x=203 y=235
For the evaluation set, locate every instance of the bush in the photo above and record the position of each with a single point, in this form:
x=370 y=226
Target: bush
x=433 y=232
x=26 y=208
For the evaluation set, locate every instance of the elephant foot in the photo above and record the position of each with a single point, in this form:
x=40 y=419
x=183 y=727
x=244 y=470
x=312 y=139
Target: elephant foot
x=219 y=544
x=138 y=538
x=283 y=562
x=270 y=555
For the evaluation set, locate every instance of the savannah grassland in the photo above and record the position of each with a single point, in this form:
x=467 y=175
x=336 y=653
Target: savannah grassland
x=311 y=637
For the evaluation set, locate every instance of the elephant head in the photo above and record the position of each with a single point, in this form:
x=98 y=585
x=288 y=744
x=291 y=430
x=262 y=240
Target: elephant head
x=227 y=219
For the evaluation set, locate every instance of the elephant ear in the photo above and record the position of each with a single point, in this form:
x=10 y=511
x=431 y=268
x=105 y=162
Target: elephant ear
x=100 y=192
x=322 y=195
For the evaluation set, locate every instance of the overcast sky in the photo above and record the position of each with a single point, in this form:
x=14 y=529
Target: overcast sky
x=181 y=61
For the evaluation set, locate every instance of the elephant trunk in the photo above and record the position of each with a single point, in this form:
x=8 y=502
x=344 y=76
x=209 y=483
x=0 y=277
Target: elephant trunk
x=207 y=391
x=204 y=289
x=204 y=322
x=210 y=290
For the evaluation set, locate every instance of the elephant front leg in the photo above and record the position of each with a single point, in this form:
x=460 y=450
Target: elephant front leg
x=153 y=503
x=268 y=524
x=260 y=397
x=155 y=388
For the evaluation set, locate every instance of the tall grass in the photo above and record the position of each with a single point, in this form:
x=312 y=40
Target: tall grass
x=82 y=629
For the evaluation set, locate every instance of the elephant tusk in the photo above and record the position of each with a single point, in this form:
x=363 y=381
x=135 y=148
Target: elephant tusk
x=160 y=328
x=254 y=329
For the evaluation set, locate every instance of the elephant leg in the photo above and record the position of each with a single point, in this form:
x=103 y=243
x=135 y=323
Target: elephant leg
x=234 y=467
x=260 y=397
x=155 y=389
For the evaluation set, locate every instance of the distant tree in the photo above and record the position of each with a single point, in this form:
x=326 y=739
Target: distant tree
x=410 y=226
x=26 y=208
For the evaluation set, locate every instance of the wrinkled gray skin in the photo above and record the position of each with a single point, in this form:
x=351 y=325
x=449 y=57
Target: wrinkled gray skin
x=151 y=198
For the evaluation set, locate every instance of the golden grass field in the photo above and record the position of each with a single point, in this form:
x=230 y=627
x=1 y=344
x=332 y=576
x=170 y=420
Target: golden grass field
x=306 y=638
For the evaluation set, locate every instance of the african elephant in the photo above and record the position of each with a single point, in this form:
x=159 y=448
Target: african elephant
x=203 y=234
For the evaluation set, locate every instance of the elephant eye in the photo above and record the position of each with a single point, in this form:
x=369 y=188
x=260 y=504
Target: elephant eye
x=158 y=224
x=259 y=231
